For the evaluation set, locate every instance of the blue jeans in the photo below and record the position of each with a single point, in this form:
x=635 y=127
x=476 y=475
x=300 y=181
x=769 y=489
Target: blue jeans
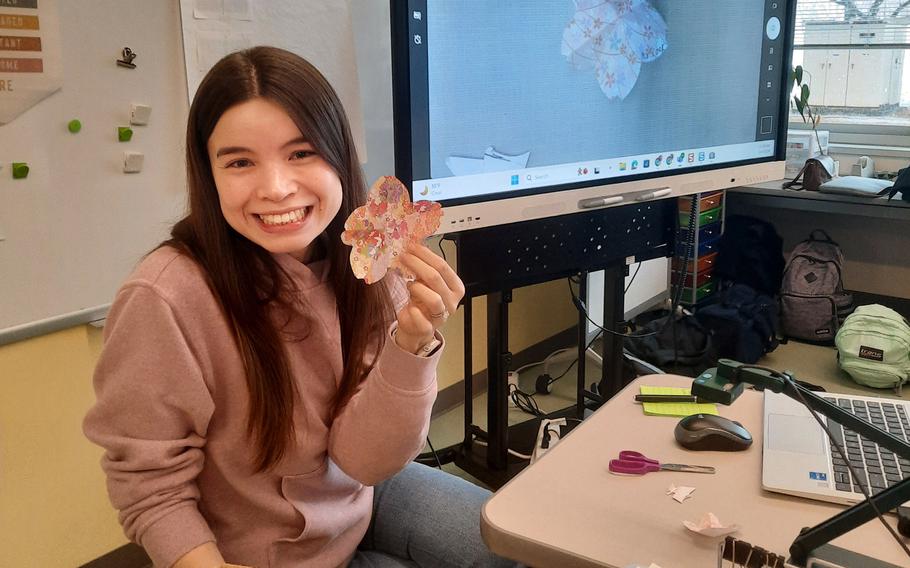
x=426 y=518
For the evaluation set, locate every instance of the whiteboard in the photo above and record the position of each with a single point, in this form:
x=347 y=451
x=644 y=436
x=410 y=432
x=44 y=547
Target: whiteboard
x=73 y=230
x=77 y=225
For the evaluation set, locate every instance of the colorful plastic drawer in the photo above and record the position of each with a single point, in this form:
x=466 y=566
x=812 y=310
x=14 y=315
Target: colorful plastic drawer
x=700 y=280
x=701 y=293
x=704 y=263
x=704 y=248
x=705 y=233
x=706 y=202
x=704 y=218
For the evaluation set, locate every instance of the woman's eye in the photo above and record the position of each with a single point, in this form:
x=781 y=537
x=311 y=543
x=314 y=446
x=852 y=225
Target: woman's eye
x=241 y=163
x=301 y=154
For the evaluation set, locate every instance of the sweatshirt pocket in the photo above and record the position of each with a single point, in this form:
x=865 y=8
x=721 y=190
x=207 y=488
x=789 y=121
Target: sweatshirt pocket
x=332 y=505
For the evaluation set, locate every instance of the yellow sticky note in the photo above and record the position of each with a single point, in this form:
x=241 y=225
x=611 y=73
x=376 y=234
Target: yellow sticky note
x=674 y=408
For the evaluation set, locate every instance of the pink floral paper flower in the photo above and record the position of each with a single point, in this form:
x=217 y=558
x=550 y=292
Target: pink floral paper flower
x=614 y=37
x=380 y=230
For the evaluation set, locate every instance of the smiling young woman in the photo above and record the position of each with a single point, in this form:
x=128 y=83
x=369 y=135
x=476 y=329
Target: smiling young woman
x=274 y=188
x=251 y=391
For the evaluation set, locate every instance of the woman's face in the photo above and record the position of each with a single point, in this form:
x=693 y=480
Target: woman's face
x=273 y=187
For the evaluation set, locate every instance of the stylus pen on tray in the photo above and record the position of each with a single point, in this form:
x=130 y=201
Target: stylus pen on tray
x=666 y=398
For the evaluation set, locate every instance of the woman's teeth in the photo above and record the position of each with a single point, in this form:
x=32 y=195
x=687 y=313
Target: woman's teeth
x=284 y=218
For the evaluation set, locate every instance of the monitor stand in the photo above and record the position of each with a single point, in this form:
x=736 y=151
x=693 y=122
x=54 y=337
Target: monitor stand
x=494 y=261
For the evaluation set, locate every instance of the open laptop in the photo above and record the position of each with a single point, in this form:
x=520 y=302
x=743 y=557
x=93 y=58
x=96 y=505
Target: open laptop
x=798 y=459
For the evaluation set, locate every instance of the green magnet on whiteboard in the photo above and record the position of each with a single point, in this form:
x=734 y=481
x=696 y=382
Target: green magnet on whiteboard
x=124 y=133
x=20 y=170
x=74 y=126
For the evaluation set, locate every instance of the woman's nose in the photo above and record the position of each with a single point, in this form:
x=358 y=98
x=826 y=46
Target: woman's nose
x=277 y=184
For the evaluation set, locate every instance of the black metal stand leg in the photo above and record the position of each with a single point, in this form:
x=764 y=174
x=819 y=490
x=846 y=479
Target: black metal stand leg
x=582 y=348
x=468 y=374
x=611 y=372
x=498 y=361
x=847 y=520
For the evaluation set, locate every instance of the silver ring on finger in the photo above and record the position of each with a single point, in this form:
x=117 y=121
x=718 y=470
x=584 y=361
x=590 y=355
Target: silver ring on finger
x=443 y=315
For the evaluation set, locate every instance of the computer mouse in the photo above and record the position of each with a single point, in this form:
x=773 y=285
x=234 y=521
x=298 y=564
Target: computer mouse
x=712 y=433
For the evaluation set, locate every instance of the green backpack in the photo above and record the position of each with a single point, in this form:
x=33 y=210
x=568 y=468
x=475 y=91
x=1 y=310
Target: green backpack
x=873 y=346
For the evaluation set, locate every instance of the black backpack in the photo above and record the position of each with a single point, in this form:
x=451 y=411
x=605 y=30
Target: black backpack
x=751 y=253
x=693 y=351
x=742 y=323
x=901 y=185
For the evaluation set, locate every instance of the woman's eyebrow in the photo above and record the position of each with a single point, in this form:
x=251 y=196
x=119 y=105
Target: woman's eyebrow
x=231 y=150
x=240 y=149
x=296 y=141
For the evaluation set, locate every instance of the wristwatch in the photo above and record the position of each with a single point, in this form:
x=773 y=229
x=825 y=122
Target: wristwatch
x=427 y=349
x=430 y=347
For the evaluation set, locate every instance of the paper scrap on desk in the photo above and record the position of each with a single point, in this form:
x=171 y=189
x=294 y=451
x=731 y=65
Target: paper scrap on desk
x=710 y=525
x=674 y=408
x=680 y=493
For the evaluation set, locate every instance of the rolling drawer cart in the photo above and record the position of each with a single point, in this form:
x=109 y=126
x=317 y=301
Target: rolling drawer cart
x=697 y=274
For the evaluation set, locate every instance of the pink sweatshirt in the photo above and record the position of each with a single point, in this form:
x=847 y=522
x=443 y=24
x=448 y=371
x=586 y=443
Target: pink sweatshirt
x=171 y=413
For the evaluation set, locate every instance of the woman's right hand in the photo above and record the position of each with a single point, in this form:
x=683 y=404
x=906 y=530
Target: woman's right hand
x=434 y=296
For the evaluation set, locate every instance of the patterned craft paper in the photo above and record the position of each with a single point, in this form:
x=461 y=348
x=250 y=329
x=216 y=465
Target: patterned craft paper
x=380 y=230
x=614 y=37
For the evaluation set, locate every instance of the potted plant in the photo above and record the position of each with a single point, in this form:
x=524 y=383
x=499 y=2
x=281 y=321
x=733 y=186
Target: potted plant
x=802 y=103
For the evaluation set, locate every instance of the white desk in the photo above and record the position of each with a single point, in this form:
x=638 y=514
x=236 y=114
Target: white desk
x=567 y=510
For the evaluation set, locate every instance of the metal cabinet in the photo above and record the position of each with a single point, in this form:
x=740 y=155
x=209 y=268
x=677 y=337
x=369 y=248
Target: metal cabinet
x=863 y=77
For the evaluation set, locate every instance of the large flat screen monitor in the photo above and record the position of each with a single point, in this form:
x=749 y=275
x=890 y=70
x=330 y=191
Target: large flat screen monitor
x=509 y=111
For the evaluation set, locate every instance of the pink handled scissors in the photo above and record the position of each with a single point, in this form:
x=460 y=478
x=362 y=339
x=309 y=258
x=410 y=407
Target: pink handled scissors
x=639 y=464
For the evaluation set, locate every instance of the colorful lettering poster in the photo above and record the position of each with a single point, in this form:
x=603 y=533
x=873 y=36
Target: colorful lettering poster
x=30 y=64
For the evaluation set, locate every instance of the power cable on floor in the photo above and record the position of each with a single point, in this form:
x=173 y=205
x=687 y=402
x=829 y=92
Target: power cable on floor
x=435 y=455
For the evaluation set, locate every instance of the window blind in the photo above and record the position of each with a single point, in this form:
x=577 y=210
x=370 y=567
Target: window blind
x=883 y=24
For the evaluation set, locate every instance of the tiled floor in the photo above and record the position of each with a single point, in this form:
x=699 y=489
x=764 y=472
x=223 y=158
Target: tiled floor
x=811 y=363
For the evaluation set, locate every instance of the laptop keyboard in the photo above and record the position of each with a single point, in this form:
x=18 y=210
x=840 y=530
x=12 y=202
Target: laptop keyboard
x=877 y=468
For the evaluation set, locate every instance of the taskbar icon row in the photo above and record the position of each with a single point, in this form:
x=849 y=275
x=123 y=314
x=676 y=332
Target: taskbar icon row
x=666 y=160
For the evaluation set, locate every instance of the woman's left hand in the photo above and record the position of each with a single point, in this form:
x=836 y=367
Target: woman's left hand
x=434 y=296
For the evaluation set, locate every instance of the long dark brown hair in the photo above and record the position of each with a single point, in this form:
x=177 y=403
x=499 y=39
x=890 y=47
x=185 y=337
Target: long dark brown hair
x=243 y=276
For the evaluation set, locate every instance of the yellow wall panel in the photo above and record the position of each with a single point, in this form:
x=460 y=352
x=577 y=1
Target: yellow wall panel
x=54 y=509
